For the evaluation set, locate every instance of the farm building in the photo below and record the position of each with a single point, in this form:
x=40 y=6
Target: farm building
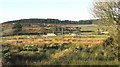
x=50 y=34
x=105 y=33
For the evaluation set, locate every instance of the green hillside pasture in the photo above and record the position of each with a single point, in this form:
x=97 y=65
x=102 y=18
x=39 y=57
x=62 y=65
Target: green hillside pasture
x=85 y=28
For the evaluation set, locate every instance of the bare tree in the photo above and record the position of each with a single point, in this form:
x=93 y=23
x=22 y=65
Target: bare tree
x=108 y=11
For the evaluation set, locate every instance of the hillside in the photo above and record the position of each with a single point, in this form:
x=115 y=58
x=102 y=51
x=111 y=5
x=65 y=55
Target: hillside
x=41 y=26
x=38 y=42
x=51 y=21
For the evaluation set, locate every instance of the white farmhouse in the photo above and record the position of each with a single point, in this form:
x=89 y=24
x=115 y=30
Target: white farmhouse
x=50 y=34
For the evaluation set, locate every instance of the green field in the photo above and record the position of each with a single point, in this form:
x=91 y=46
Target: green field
x=83 y=28
x=37 y=37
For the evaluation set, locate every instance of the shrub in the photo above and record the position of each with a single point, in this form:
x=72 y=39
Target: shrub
x=54 y=46
x=7 y=55
x=5 y=50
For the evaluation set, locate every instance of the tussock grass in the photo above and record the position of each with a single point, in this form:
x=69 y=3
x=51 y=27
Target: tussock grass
x=69 y=51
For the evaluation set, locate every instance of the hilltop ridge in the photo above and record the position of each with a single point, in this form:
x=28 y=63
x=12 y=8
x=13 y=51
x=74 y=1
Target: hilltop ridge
x=36 y=20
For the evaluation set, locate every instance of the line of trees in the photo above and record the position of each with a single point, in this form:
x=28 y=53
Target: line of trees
x=56 y=21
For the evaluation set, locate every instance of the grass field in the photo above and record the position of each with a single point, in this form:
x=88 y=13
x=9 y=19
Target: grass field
x=37 y=37
x=83 y=28
x=56 y=50
x=86 y=49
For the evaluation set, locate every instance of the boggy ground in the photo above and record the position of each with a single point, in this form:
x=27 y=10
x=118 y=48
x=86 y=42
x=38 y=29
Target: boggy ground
x=59 y=51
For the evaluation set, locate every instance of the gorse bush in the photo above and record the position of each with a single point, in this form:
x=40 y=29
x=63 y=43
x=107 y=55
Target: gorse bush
x=5 y=50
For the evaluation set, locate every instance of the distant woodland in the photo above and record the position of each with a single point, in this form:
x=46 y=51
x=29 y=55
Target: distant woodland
x=51 y=21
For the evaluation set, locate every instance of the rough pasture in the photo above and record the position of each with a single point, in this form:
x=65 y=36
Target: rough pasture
x=40 y=41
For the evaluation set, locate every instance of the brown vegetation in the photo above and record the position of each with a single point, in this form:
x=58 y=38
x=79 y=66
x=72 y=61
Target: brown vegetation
x=78 y=41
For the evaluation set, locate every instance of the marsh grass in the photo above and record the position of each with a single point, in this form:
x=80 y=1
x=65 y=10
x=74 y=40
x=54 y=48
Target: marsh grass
x=61 y=54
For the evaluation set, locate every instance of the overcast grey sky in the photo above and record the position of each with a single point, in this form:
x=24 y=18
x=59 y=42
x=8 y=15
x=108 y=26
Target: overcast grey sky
x=57 y=9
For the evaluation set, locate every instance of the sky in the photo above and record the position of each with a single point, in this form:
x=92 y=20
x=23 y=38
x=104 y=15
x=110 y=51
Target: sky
x=43 y=9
